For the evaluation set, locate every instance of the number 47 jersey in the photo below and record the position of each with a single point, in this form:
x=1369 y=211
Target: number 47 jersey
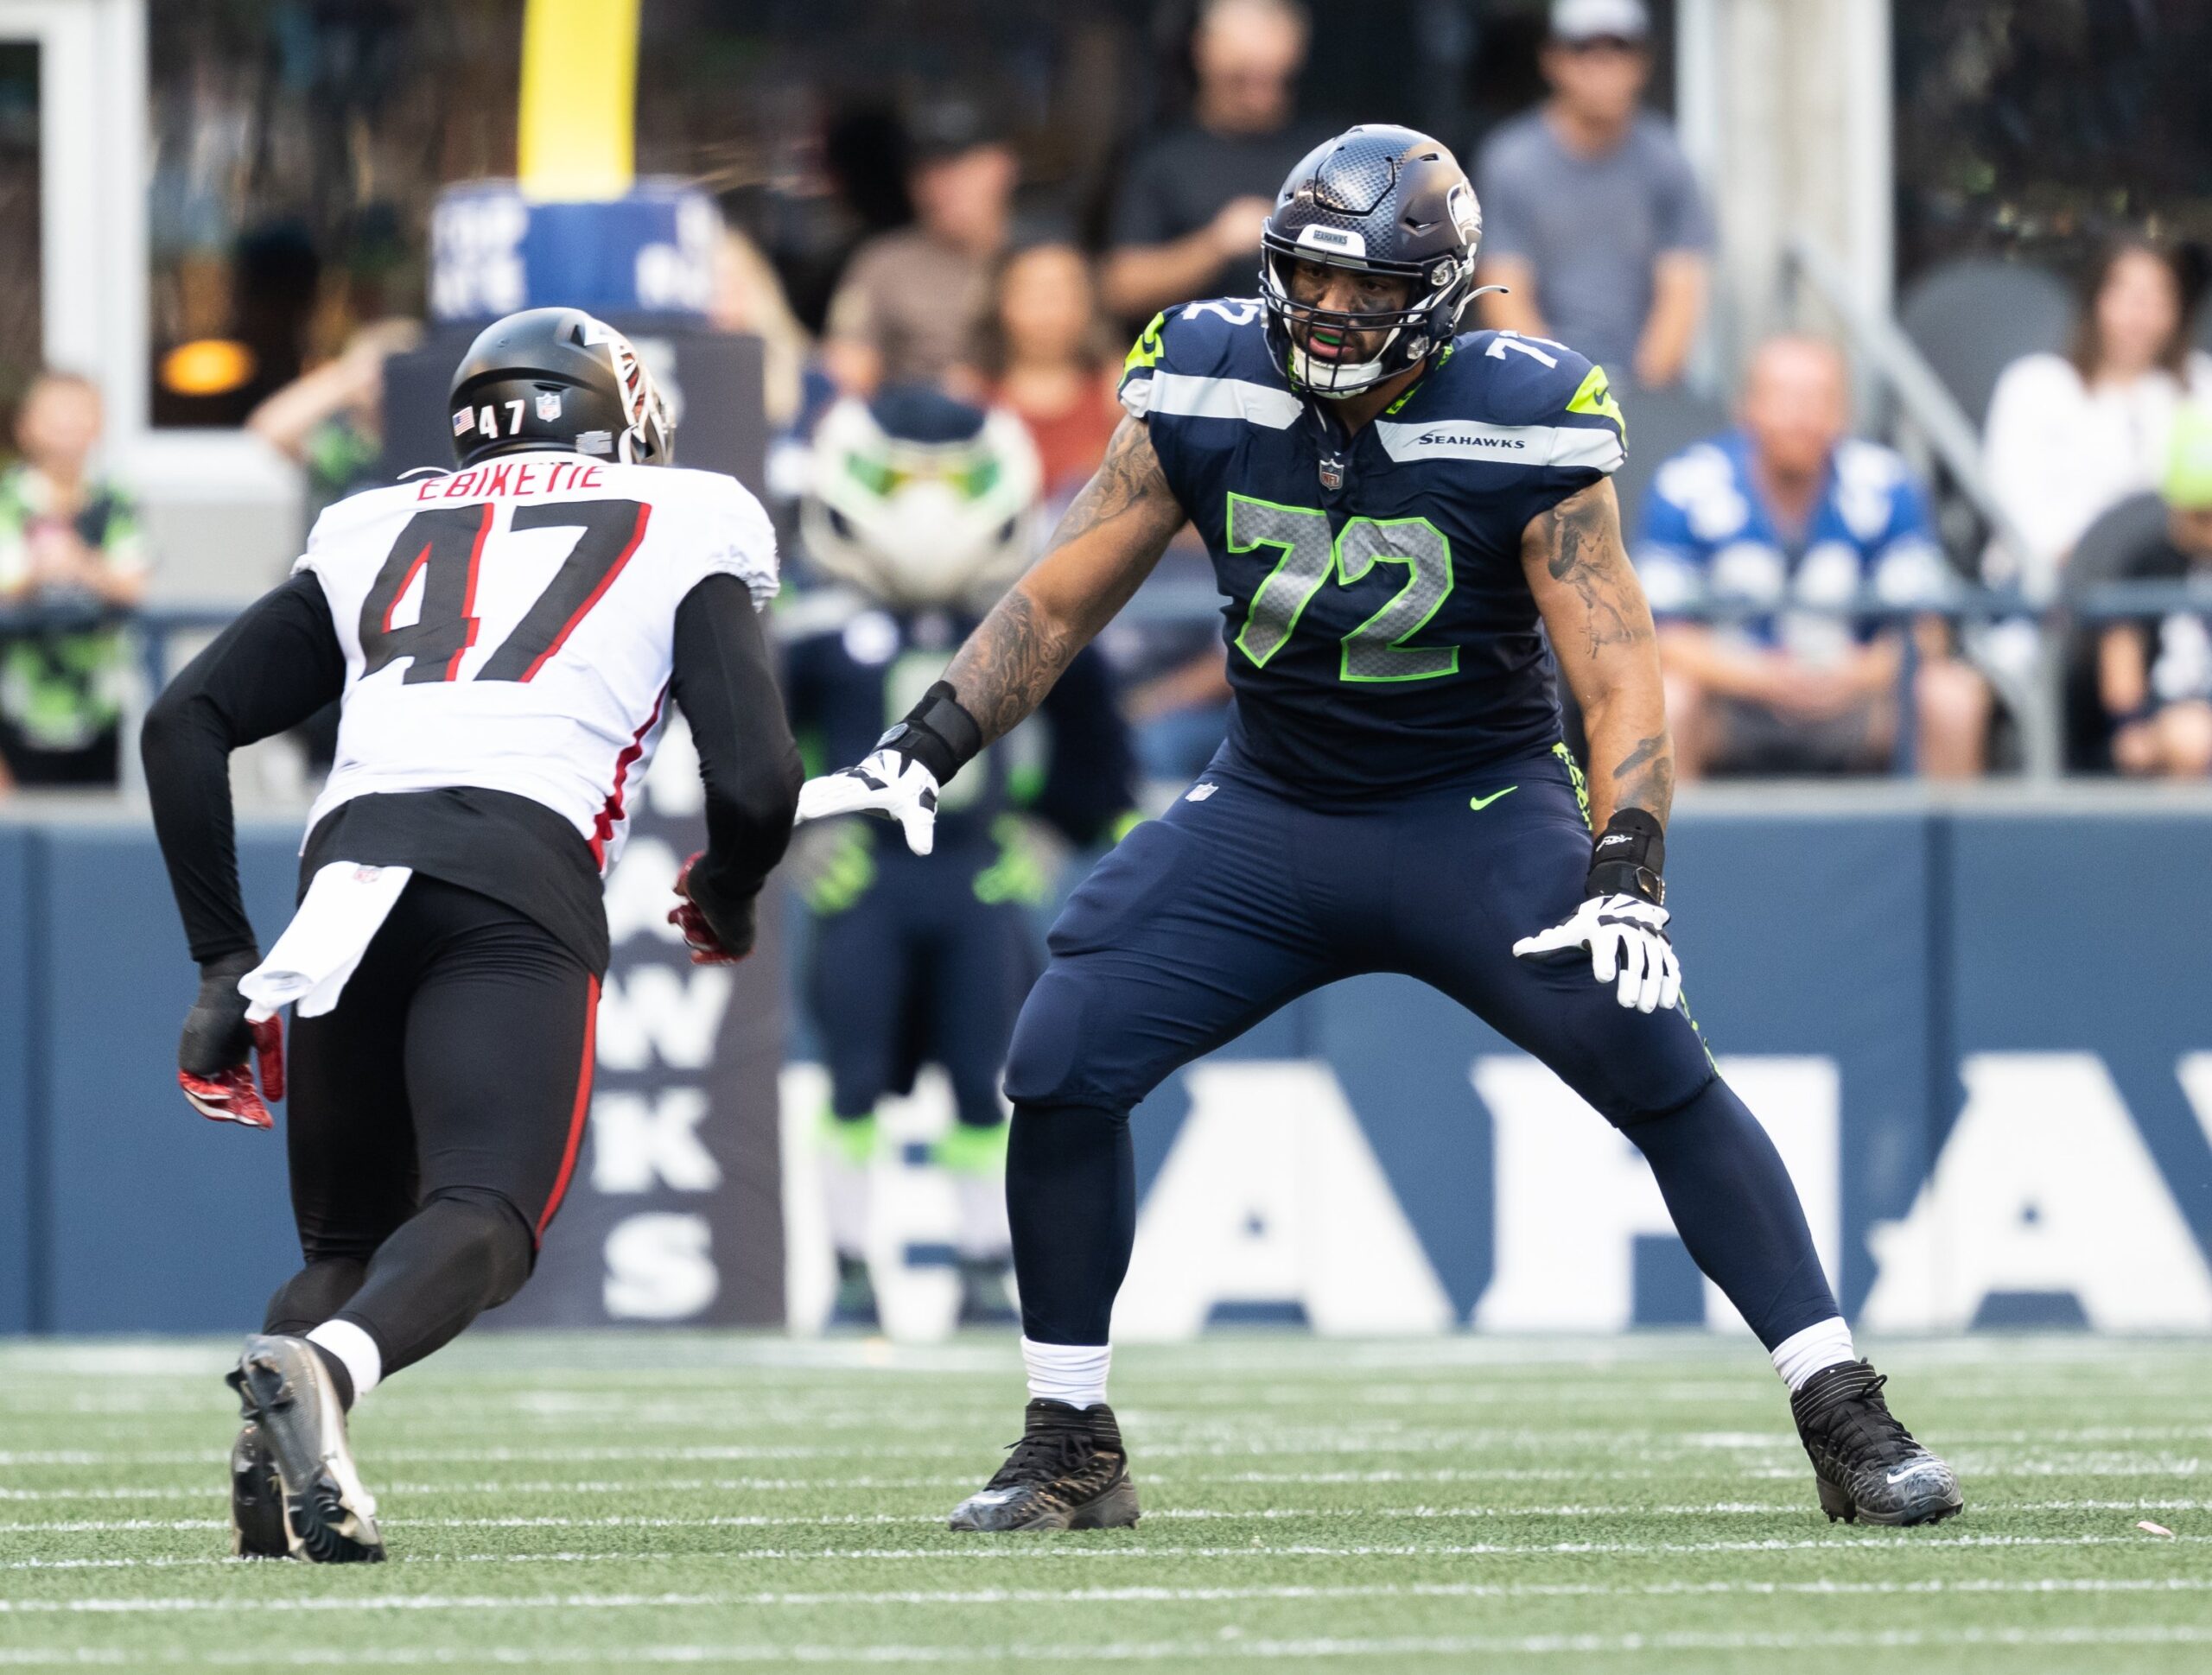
x=1382 y=634
x=509 y=627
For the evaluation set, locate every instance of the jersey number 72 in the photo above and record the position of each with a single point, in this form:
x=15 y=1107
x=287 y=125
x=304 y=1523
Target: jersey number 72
x=445 y=545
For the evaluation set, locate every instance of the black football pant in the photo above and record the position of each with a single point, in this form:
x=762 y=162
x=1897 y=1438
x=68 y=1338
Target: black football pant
x=435 y=1117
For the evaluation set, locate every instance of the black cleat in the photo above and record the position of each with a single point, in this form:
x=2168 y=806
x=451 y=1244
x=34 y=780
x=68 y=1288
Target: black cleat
x=984 y=1299
x=285 y=1392
x=257 y=1500
x=1866 y=1464
x=1068 y=1472
x=854 y=1309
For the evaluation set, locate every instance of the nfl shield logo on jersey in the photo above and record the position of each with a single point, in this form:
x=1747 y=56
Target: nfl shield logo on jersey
x=1332 y=472
x=549 y=405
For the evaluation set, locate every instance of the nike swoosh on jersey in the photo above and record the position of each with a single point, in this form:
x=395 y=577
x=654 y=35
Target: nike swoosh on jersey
x=1481 y=803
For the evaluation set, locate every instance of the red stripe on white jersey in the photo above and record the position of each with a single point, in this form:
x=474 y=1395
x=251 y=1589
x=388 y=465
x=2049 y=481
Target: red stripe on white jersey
x=614 y=814
x=468 y=598
x=637 y=537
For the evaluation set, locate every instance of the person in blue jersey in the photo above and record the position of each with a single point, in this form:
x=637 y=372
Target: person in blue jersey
x=922 y=510
x=1789 y=510
x=1415 y=537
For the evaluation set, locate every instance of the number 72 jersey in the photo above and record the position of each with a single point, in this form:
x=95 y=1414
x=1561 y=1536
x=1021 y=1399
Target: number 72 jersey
x=1382 y=635
x=509 y=626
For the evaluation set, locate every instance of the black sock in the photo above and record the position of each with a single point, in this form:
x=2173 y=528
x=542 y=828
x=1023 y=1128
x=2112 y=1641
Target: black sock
x=464 y=1252
x=1071 y=1205
x=1737 y=1209
x=341 y=1376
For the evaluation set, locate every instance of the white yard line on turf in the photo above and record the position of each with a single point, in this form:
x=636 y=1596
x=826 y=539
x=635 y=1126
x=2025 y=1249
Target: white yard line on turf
x=1886 y=1543
x=2110 y=1463
x=1234 y=1644
x=835 y=1520
x=1643 y=1443
x=593 y=1601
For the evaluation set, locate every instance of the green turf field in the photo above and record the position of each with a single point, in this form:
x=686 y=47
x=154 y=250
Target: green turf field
x=1455 y=1504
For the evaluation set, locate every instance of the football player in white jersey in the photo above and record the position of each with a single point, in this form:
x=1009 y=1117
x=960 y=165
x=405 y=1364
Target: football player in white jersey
x=506 y=640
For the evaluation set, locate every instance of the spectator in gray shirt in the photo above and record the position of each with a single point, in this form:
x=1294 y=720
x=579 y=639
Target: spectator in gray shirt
x=1590 y=214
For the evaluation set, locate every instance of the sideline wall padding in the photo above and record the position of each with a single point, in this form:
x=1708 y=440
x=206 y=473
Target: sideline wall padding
x=18 y=1151
x=158 y=1219
x=1894 y=944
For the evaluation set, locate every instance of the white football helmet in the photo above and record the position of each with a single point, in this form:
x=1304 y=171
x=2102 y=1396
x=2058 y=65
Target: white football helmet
x=919 y=499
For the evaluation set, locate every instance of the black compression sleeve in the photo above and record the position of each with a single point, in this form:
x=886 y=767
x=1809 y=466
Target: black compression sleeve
x=725 y=684
x=270 y=669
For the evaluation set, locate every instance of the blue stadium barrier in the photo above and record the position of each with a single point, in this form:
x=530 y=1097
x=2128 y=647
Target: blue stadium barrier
x=20 y=1165
x=1999 y=1014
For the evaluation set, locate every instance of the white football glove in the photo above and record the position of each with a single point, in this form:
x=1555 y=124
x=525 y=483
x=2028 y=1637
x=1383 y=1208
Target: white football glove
x=1627 y=940
x=886 y=782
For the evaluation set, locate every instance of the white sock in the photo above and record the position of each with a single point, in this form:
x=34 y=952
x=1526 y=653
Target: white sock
x=982 y=1199
x=355 y=1348
x=845 y=1193
x=1816 y=1349
x=1071 y=1373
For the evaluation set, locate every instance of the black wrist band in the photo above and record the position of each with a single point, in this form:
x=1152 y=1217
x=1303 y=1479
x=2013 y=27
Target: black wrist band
x=1628 y=858
x=938 y=733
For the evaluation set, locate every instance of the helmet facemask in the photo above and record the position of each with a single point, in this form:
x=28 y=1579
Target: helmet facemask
x=649 y=437
x=1410 y=333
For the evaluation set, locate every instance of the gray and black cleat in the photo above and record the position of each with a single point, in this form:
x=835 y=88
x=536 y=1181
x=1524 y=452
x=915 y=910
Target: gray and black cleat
x=1068 y=1472
x=284 y=1391
x=256 y=1499
x=854 y=1310
x=1866 y=1464
x=984 y=1299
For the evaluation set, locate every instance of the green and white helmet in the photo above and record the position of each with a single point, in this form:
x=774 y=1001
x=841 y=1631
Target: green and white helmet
x=919 y=499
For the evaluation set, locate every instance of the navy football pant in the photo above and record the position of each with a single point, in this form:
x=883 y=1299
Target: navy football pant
x=1243 y=898
x=918 y=971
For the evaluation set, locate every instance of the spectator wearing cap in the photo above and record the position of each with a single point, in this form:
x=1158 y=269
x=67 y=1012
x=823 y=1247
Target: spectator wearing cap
x=1791 y=512
x=70 y=553
x=2155 y=673
x=1591 y=216
x=1188 y=215
x=908 y=307
x=2071 y=435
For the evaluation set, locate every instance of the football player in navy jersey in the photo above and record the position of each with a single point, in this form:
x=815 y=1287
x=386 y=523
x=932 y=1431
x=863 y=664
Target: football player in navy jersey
x=921 y=512
x=1414 y=535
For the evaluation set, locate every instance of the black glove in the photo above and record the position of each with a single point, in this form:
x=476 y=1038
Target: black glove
x=721 y=936
x=212 y=1055
x=215 y=1035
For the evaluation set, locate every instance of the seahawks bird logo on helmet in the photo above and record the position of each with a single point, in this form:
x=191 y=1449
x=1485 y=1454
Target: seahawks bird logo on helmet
x=919 y=499
x=558 y=377
x=1376 y=199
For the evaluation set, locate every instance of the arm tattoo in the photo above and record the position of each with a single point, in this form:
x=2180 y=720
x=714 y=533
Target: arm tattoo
x=1009 y=664
x=1021 y=648
x=1128 y=475
x=1645 y=777
x=1601 y=629
x=1581 y=545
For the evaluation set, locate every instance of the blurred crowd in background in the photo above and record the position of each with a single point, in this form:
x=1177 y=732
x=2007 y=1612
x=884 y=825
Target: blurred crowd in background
x=990 y=200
